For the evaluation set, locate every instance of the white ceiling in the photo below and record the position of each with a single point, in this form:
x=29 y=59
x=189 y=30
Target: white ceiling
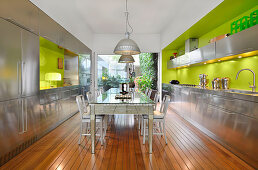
x=146 y=16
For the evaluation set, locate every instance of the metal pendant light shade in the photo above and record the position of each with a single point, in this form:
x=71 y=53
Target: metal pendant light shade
x=126 y=59
x=127 y=47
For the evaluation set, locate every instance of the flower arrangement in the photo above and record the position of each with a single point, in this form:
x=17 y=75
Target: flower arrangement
x=142 y=82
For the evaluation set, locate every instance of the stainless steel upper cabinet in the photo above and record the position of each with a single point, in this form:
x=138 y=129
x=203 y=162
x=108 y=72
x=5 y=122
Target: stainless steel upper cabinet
x=10 y=56
x=239 y=43
x=49 y=29
x=65 y=39
x=185 y=59
x=23 y=12
x=68 y=41
x=30 y=64
x=196 y=56
x=208 y=52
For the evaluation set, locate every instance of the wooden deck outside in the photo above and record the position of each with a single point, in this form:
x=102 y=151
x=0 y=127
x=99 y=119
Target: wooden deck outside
x=187 y=148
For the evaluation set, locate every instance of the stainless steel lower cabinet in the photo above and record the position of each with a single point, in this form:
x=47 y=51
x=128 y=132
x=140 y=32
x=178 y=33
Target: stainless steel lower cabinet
x=230 y=119
x=57 y=105
x=23 y=121
x=19 y=121
x=10 y=126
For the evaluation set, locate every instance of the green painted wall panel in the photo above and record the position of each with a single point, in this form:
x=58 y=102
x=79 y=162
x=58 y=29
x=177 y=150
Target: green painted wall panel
x=49 y=54
x=190 y=75
x=222 y=29
x=225 y=12
x=167 y=74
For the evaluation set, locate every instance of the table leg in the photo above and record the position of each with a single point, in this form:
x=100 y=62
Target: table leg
x=150 y=132
x=92 y=129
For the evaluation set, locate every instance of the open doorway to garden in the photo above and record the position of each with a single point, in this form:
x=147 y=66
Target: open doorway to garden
x=141 y=74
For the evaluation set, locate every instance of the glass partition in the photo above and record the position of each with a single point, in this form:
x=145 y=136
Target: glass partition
x=111 y=73
x=84 y=70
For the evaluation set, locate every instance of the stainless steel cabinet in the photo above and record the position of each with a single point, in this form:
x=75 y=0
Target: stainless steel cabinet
x=238 y=131
x=185 y=59
x=22 y=12
x=30 y=64
x=26 y=114
x=65 y=39
x=18 y=124
x=185 y=105
x=33 y=119
x=173 y=63
x=231 y=119
x=49 y=29
x=56 y=105
x=10 y=125
x=196 y=56
x=10 y=56
x=242 y=42
x=52 y=31
x=19 y=62
x=69 y=42
x=208 y=52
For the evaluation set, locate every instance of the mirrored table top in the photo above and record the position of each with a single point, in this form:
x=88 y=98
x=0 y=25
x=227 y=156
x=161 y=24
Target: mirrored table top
x=109 y=97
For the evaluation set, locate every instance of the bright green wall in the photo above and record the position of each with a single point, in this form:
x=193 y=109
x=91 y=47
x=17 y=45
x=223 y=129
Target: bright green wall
x=224 y=12
x=167 y=74
x=190 y=75
x=223 y=29
x=49 y=54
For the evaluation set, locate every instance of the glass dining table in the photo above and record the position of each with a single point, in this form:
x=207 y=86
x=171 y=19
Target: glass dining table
x=111 y=102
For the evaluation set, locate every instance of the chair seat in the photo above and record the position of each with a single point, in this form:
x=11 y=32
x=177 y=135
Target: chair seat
x=87 y=116
x=157 y=115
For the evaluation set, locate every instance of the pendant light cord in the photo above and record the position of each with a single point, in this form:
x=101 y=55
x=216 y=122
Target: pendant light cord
x=127 y=19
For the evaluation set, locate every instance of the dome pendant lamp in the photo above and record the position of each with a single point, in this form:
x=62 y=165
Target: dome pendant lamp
x=126 y=59
x=127 y=46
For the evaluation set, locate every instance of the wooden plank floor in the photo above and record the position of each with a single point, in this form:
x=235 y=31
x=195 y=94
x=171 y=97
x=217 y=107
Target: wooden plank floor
x=187 y=148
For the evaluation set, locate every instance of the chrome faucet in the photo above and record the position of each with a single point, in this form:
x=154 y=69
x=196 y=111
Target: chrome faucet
x=251 y=86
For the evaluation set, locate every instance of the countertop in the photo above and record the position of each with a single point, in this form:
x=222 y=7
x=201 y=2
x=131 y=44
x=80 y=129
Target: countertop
x=242 y=96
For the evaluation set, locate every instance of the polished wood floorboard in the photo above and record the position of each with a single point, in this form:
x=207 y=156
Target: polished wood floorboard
x=187 y=148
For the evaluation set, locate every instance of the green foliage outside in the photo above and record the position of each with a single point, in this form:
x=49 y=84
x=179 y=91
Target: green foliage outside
x=148 y=65
x=111 y=81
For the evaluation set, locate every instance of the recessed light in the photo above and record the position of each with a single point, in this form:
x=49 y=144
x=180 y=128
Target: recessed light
x=240 y=56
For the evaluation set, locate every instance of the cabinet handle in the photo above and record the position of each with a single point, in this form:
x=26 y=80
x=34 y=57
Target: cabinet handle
x=20 y=117
x=25 y=116
x=22 y=75
x=18 y=77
